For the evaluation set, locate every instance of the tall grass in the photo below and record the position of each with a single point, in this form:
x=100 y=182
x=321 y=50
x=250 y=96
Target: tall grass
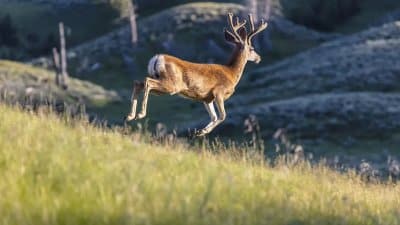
x=57 y=171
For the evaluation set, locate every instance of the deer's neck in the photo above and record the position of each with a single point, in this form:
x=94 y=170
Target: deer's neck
x=237 y=63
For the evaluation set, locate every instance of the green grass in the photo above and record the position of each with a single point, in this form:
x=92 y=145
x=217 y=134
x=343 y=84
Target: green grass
x=171 y=111
x=16 y=77
x=56 y=171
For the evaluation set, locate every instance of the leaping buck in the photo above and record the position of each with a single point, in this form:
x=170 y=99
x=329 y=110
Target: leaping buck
x=207 y=83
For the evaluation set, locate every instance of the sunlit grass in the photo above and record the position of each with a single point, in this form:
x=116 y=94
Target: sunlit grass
x=58 y=171
x=41 y=80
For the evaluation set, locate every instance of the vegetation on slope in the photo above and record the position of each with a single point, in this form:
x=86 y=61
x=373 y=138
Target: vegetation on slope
x=344 y=16
x=36 y=26
x=370 y=12
x=18 y=81
x=58 y=172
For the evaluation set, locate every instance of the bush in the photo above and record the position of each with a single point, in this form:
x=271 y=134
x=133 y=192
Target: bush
x=146 y=7
x=320 y=14
x=16 y=46
x=120 y=5
x=8 y=33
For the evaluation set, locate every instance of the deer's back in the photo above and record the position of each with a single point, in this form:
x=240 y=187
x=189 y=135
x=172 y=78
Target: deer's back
x=192 y=80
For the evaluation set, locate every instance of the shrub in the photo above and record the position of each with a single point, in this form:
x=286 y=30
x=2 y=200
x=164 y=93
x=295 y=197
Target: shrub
x=152 y=6
x=120 y=5
x=320 y=14
x=8 y=33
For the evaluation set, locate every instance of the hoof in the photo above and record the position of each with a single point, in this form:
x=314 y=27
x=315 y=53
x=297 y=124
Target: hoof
x=200 y=133
x=140 y=116
x=129 y=118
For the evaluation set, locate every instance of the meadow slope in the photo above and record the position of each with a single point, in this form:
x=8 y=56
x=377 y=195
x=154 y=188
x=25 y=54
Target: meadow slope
x=19 y=81
x=57 y=171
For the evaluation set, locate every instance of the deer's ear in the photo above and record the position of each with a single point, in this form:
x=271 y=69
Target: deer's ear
x=243 y=33
x=229 y=36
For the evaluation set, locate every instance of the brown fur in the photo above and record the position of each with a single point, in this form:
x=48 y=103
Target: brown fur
x=207 y=83
x=199 y=81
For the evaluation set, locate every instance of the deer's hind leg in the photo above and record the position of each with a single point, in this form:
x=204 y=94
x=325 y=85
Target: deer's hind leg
x=137 y=88
x=156 y=86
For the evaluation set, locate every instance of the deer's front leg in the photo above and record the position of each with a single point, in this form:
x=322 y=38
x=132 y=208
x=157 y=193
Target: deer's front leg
x=219 y=100
x=213 y=115
x=137 y=88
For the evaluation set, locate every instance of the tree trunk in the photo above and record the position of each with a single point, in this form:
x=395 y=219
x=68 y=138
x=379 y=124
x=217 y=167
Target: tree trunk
x=266 y=14
x=261 y=9
x=63 y=56
x=126 y=56
x=132 y=19
x=57 y=70
x=252 y=7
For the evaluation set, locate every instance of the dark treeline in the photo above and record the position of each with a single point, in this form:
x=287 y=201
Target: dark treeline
x=15 y=46
x=320 y=14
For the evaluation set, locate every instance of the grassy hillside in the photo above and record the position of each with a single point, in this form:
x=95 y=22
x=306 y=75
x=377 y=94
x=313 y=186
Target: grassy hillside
x=31 y=86
x=57 y=172
x=17 y=80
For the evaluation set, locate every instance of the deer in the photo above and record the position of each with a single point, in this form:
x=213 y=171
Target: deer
x=206 y=83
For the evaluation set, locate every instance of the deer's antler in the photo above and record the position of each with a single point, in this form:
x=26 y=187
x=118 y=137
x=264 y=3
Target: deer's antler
x=235 y=27
x=253 y=31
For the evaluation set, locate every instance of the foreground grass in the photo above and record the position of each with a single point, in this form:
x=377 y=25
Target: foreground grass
x=57 y=172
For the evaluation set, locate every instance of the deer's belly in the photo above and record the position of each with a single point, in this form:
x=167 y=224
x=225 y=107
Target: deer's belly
x=198 y=96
